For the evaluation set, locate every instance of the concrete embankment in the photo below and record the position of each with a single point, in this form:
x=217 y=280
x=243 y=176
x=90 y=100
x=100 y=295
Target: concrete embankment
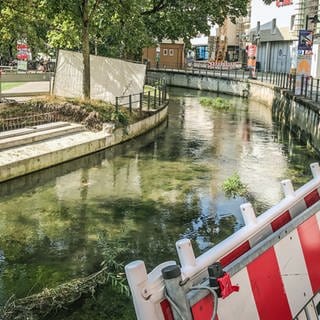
x=20 y=158
x=300 y=115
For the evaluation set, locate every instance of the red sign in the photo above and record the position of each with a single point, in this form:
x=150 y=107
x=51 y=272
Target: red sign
x=282 y=3
x=252 y=52
x=22 y=51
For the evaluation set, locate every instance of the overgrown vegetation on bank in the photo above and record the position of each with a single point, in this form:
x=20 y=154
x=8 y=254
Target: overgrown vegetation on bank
x=91 y=113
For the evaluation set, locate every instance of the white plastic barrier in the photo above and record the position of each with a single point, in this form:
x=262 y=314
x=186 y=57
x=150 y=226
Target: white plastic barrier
x=148 y=289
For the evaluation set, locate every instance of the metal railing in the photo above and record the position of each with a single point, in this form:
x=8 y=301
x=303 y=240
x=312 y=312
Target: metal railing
x=147 y=100
x=29 y=120
x=299 y=85
x=311 y=310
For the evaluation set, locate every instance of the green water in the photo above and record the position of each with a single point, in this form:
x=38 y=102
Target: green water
x=143 y=196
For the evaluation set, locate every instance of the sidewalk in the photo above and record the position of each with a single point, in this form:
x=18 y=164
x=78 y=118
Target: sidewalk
x=30 y=89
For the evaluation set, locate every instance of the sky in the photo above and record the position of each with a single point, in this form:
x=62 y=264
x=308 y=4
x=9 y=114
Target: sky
x=265 y=13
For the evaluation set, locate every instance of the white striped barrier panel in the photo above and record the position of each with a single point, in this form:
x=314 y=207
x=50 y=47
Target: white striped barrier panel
x=148 y=289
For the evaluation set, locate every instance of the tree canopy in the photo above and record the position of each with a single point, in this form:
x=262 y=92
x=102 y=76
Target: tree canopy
x=116 y=28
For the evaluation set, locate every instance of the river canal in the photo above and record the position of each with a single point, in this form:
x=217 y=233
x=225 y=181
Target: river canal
x=143 y=196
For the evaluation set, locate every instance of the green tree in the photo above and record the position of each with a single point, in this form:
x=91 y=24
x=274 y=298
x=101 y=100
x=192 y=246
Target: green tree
x=119 y=28
x=22 y=20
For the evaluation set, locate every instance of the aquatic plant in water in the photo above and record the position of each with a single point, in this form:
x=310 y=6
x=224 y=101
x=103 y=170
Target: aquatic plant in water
x=216 y=103
x=233 y=186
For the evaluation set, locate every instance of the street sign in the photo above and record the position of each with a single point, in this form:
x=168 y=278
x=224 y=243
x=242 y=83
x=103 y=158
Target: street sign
x=305 y=40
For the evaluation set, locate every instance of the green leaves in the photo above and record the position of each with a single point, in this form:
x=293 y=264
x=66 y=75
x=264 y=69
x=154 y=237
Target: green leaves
x=233 y=187
x=116 y=28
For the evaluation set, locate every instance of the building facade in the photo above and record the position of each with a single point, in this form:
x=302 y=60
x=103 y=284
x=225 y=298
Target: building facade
x=167 y=54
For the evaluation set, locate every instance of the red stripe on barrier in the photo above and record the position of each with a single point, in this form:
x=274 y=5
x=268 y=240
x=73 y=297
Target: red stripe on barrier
x=280 y=221
x=267 y=287
x=166 y=309
x=203 y=309
x=309 y=235
x=236 y=253
x=312 y=198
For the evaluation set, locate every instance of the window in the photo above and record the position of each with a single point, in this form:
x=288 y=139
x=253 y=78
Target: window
x=171 y=52
x=165 y=52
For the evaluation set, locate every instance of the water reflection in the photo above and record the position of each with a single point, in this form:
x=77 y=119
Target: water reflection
x=145 y=194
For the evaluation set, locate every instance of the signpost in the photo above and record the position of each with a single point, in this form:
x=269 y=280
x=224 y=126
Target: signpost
x=23 y=55
x=252 y=58
x=303 y=71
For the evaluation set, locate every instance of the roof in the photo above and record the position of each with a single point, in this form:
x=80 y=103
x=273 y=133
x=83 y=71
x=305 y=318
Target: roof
x=279 y=34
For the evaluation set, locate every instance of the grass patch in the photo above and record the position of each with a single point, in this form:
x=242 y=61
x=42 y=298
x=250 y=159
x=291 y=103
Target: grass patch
x=216 y=103
x=233 y=187
x=9 y=85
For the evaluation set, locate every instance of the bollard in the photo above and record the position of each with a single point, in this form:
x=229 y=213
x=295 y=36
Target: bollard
x=175 y=293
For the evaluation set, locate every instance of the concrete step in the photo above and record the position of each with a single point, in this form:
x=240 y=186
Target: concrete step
x=44 y=133
x=26 y=130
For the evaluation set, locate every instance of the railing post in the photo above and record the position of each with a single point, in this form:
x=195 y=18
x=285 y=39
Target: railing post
x=0 y=84
x=311 y=88
x=294 y=83
x=117 y=104
x=141 y=102
x=130 y=103
x=155 y=99
x=159 y=98
x=306 y=86
x=302 y=84
x=149 y=97
x=317 y=92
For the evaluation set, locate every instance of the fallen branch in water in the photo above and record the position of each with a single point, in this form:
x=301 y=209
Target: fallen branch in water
x=41 y=304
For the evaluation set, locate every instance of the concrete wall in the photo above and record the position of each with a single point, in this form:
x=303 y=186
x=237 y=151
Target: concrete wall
x=300 y=115
x=203 y=82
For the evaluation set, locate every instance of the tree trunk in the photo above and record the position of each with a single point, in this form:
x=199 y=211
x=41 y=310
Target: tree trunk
x=85 y=49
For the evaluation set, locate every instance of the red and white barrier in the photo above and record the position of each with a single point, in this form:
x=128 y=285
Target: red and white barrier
x=275 y=285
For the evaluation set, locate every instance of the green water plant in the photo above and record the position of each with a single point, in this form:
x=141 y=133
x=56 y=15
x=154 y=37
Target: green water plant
x=215 y=103
x=233 y=187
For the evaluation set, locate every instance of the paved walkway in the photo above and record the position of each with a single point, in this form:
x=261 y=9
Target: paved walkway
x=28 y=88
